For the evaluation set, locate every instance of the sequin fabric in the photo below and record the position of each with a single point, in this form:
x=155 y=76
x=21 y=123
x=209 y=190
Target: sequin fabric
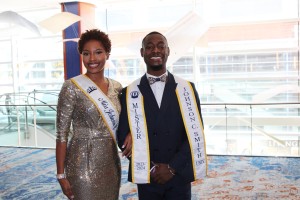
x=92 y=162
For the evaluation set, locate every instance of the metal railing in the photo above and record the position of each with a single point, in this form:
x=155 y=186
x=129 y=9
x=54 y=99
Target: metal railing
x=28 y=119
x=260 y=129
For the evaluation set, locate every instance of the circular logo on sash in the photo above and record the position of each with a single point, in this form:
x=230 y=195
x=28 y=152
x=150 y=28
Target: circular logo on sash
x=134 y=94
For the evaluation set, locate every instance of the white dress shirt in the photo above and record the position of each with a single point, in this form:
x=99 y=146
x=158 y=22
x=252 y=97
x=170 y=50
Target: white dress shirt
x=157 y=88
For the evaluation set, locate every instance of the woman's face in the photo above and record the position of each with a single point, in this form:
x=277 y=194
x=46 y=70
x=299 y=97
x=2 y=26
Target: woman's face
x=94 y=56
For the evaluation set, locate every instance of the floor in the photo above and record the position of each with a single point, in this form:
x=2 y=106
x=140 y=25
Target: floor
x=29 y=174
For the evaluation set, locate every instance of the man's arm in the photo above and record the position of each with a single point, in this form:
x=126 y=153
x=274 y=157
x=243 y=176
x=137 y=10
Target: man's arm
x=123 y=129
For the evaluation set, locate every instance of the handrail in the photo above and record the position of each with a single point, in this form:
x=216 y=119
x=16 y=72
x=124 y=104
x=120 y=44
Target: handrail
x=231 y=128
x=253 y=104
x=205 y=104
x=31 y=105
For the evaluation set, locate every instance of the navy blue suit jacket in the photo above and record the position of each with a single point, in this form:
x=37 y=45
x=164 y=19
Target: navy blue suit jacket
x=168 y=142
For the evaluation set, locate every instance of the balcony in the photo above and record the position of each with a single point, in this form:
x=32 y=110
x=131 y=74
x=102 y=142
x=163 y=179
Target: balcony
x=261 y=129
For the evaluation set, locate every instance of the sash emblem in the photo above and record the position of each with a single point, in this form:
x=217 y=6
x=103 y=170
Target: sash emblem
x=134 y=94
x=91 y=89
x=105 y=107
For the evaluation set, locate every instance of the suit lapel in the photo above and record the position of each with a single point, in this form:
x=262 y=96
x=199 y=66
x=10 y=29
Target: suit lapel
x=147 y=93
x=168 y=93
x=150 y=101
x=168 y=96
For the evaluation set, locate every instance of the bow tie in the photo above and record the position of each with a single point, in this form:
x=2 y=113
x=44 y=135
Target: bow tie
x=152 y=80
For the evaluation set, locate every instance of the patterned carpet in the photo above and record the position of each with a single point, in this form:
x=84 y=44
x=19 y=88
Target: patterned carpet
x=30 y=174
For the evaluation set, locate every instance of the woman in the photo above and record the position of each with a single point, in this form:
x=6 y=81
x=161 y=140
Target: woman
x=88 y=166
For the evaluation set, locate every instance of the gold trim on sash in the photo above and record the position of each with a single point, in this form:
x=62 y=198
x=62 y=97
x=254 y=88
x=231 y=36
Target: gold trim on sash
x=105 y=107
x=191 y=118
x=140 y=161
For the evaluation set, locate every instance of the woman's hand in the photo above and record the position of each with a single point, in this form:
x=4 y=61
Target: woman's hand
x=66 y=188
x=127 y=145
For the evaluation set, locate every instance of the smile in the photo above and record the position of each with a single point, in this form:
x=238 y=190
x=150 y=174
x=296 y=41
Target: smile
x=94 y=65
x=155 y=58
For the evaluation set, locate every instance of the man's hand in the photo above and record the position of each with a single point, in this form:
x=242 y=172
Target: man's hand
x=127 y=145
x=162 y=173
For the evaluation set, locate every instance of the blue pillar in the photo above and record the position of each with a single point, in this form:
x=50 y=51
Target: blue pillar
x=72 y=59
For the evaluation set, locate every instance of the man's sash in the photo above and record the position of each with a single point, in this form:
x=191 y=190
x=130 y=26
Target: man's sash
x=137 y=122
x=193 y=126
x=105 y=107
x=140 y=159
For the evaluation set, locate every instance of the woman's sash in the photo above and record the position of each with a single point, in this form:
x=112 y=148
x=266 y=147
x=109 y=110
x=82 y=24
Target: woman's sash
x=140 y=159
x=193 y=126
x=105 y=107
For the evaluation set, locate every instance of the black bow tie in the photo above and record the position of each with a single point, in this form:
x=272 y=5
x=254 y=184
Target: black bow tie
x=152 y=80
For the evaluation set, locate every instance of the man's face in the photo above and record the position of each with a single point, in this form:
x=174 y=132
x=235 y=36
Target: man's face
x=155 y=51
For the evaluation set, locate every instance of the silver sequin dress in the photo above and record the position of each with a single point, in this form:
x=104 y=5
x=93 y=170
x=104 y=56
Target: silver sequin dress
x=92 y=163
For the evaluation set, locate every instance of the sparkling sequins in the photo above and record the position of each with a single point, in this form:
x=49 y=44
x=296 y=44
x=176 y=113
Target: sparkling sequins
x=92 y=163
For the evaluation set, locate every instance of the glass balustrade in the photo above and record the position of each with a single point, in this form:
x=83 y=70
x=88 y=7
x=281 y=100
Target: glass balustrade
x=266 y=129
x=28 y=119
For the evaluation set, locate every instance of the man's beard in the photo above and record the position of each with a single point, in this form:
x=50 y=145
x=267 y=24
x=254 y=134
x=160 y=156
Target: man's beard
x=156 y=67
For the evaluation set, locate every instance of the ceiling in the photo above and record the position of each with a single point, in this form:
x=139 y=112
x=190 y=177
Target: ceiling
x=30 y=5
x=19 y=6
x=121 y=38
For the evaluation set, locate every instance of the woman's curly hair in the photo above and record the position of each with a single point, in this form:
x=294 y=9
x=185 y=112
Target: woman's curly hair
x=94 y=34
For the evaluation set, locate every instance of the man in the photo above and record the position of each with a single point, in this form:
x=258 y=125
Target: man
x=162 y=113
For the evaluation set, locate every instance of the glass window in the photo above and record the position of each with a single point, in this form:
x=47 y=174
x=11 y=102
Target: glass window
x=235 y=51
x=5 y=51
